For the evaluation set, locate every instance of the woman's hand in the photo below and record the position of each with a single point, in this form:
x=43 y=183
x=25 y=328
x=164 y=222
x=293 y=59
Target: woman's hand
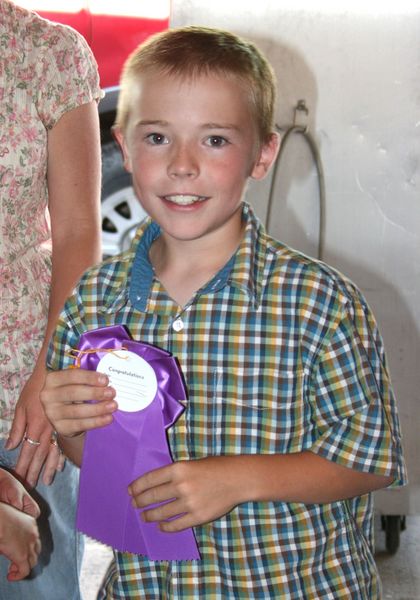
x=31 y=428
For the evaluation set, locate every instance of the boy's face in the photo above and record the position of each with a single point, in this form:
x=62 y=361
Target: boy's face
x=191 y=145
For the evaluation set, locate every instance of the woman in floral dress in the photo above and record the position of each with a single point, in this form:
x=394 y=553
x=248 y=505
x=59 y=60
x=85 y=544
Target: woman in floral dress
x=50 y=232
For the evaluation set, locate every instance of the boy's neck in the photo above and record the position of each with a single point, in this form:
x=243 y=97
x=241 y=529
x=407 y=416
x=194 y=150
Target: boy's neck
x=183 y=268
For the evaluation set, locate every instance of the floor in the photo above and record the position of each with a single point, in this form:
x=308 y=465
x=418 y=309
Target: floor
x=95 y=562
x=400 y=573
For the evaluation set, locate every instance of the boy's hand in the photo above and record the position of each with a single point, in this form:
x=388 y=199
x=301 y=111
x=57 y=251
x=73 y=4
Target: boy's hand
x=19 y=541
x=76 y=400
x=195 y=492
x=13 y=492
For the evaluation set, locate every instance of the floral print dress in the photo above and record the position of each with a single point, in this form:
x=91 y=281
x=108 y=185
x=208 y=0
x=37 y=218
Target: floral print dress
x=46 y=70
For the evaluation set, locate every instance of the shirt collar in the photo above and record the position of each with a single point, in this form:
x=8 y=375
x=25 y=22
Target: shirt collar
x=244 y=270
x=249 y=260
x=142 y=272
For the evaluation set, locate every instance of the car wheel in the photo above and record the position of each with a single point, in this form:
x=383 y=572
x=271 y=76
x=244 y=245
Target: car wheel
x=121 y=211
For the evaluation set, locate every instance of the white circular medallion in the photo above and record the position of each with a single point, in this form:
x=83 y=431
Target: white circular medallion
x=133 y=379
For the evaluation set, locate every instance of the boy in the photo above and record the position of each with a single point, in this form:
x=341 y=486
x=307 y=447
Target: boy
x=290 y=420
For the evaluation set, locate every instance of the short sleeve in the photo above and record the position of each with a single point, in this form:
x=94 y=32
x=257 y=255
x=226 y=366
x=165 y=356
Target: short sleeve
x=352 y=399
x=67 y=73
x=61 y=350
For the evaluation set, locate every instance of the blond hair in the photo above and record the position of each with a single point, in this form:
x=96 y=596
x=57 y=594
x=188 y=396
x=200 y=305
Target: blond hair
x=192 y=51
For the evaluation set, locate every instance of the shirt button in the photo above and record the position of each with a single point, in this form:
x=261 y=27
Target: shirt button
x=178 y=325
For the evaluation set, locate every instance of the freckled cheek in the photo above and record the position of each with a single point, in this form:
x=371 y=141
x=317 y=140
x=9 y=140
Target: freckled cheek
x=226 y=164
x=144 y=174
x=144 y=166
x=232 y=171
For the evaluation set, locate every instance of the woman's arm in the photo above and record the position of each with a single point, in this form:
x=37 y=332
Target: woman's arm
x=73 y=175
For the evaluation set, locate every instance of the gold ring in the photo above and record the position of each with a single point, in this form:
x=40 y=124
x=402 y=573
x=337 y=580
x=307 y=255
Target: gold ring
x=31 y=441
x=53 y=439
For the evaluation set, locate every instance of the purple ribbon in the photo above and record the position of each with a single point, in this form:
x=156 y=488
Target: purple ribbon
x=133 y=444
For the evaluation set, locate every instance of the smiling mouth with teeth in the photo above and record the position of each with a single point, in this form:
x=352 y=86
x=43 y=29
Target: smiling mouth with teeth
x=184 y=199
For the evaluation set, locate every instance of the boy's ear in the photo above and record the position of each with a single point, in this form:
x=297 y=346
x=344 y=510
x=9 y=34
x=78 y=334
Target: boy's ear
x=266 y=157
x=119 y=138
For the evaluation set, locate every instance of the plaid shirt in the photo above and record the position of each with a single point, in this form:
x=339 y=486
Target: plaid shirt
x=280 y=354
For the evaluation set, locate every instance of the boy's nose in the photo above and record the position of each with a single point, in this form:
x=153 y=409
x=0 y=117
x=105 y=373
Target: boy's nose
x=183 y=163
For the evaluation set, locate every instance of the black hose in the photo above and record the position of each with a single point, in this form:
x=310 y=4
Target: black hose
x=321 y=182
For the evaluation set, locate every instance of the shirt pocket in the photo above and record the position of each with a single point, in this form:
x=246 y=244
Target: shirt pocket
x=258 y=409
x=260 y=387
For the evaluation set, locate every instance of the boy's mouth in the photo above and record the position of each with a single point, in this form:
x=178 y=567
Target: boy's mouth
x=184 y=199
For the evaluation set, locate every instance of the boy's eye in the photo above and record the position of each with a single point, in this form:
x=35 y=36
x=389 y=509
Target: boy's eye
x=216 y=141
x=156 y=139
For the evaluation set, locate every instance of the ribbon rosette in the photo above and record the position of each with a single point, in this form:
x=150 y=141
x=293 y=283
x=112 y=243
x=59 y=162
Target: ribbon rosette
x=149 y=386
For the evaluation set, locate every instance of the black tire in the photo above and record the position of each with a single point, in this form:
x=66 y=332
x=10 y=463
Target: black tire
x=393 y=525
x=121 y=211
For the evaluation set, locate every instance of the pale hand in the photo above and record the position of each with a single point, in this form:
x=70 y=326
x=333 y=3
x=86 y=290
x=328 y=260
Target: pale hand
x=77 y=400
x=13 y=492
x=30 y=420
x=19 y=541
x=199 y=491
